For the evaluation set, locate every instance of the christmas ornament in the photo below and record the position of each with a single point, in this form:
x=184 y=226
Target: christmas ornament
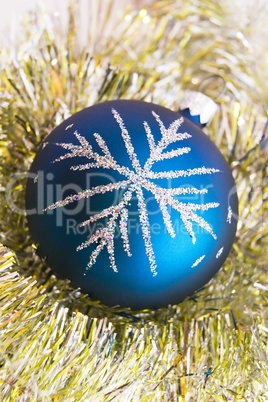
x=133 y=202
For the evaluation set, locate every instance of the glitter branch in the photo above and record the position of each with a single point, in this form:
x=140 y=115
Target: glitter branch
x=89 y=193
x=145 y=226
x=124 y=230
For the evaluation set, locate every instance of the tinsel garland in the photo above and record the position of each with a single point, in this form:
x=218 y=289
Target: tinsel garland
x=55 y=343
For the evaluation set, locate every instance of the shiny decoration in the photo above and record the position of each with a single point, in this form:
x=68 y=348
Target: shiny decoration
x=143 y=166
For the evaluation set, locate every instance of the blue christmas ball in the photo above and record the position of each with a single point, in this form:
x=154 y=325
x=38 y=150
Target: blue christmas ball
x=133 y=203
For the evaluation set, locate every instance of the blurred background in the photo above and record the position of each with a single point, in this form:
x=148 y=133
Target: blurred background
x=12 y=13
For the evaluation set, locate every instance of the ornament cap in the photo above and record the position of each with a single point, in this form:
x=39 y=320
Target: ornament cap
x=199 y=105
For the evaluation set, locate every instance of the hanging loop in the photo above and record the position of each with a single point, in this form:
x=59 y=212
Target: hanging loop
x=208 y=82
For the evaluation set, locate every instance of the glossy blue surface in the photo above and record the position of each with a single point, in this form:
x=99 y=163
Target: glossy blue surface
x=57 y=232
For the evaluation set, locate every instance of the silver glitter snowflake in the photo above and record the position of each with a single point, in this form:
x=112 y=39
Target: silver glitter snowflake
x=135 y=181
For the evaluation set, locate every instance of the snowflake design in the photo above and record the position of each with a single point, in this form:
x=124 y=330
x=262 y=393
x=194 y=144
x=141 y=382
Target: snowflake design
x=230 y=215
x=197 y=262
x=219 y=253
x=135 y=181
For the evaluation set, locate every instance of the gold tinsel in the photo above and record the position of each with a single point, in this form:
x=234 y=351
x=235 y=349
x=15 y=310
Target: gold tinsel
x=55 y=343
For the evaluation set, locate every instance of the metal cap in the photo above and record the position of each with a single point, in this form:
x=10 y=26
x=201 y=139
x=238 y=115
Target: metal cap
x=199 y=105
